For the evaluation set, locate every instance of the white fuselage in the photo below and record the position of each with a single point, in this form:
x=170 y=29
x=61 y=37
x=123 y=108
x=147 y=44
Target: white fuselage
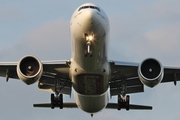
x=89 y=70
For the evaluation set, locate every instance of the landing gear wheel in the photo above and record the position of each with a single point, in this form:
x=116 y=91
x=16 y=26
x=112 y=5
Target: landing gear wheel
x=119 y=102
x=85 y=53
x=91 y=54
x=60 y=101
x=127 y=102
x=123 y=102
x=57 y=101
x=52 y=101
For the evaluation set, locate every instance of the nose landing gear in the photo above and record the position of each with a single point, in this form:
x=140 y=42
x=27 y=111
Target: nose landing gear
x=88 y=51
x=89 y=38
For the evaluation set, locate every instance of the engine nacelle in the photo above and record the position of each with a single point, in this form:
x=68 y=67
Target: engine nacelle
x=150 y=72
x=29 y=69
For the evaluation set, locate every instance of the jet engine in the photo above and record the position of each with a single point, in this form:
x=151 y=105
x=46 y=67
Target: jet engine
x=150 y=72
x=29 y=69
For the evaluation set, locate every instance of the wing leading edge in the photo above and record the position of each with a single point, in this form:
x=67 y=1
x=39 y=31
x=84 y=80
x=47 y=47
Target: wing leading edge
x=8 y=70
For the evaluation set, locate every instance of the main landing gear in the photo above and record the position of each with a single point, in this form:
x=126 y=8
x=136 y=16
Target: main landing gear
x=123 y=99
x=57 y=101
x=123 y=102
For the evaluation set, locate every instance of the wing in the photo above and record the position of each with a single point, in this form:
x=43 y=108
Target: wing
x=171 y=74
x=52 y=70
x=126 y=74
x=8 y=70
x=55 y=71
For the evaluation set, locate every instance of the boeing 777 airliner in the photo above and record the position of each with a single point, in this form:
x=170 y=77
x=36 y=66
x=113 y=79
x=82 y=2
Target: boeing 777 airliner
x=90 y=72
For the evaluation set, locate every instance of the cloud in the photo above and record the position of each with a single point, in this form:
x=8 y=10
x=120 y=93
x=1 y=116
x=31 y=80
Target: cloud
x=165 y=39
x=51 y=37
x=48 y=41
x=152 y=30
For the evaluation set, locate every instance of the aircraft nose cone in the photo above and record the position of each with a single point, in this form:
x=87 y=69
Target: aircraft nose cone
x=88 y=20
x=89 y=17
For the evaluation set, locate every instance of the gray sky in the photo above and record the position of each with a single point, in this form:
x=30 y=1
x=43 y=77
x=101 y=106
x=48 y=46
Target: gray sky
x=139 y=29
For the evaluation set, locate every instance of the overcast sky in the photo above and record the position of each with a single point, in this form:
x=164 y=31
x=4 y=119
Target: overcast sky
x=139 y=29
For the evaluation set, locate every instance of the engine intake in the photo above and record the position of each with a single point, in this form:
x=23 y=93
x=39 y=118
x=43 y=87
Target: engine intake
x=150 y=72
x=29 y=69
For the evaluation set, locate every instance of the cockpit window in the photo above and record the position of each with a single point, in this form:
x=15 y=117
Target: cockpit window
x=92 y=7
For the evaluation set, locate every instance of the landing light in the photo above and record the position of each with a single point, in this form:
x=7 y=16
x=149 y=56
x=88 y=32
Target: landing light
x=90 y=38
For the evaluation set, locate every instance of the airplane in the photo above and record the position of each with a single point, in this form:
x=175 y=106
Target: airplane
x=94 y=78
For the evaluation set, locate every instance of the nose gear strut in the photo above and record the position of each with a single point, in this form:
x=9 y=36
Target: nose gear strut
x=88 y=51
x=89 y=39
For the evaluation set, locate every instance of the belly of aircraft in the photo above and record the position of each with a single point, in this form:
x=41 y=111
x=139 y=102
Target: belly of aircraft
x=91 y=92
x=90 y=84
x=91 y=103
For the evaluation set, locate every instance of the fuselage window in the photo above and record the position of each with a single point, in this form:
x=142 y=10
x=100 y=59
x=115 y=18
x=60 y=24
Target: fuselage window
x=92 y=7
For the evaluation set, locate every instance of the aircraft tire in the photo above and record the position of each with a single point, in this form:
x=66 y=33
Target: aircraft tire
x=52 y=101
x=127 y=102
x=61 y=101
x=119 y=102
